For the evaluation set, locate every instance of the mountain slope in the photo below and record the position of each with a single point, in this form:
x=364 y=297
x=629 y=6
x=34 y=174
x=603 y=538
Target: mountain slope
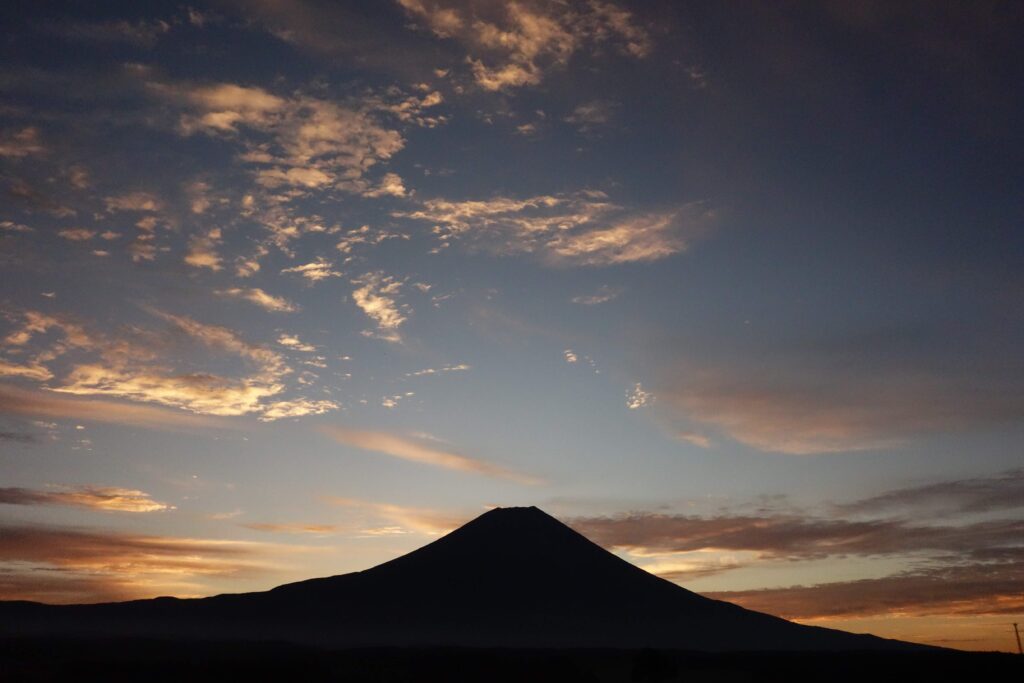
x=513 y=577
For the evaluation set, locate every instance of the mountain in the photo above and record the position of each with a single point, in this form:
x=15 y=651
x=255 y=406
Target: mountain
x=513 y=577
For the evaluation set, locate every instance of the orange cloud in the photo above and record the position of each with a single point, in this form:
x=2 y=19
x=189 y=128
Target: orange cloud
x=400 y=519
x=57 y=564
x=109 y=498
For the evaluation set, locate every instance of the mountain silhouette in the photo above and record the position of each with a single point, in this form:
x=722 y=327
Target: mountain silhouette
x=512 y=577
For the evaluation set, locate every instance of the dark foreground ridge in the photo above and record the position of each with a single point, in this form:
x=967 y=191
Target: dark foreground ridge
x=511 y=578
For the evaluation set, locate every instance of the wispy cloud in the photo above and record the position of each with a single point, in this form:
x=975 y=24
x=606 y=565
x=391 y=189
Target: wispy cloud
x=416 y=450
x=1004 y=491
x=966 y=567
x=376 y=294
x=592 y=116
x=56 y=564
x=138 y=365
x=950 y=590
x=27 y=403
x=425 y=372
x=107 y=498
x=314 y=271
x=386 y=519
x=584 y=229
x=602 y=295
x=257 y=296
x=812 y=409
x=636 y=397
x=283 y=528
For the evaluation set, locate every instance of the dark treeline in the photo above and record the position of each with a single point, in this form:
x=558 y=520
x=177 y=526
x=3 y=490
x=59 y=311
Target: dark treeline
x=24 y=659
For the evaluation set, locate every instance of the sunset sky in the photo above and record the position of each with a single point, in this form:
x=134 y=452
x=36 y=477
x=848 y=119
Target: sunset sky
x=290 y=288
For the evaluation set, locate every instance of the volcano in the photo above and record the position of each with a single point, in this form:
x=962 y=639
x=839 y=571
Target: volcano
x=512 y=577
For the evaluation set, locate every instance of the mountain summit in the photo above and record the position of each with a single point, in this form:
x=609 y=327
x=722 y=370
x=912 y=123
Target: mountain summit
x=512 y=577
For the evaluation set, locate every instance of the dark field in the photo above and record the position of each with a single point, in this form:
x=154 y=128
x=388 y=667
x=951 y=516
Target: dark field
x=153 y=660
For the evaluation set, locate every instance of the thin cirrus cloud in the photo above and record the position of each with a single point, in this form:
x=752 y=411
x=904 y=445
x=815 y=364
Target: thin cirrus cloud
x=106 y=498
x=415 y=450
x=582 y=229
x=1004 y=491
x=388 y=519
x=800 y=413
x=282 y=528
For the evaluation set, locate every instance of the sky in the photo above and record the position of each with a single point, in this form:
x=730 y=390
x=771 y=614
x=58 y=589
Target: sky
x=734 y=289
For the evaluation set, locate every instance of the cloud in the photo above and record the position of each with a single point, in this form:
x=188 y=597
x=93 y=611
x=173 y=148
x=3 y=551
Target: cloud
x=461 y=367
x=26 y=403
x=77 y=234
x=833 y=406
x=399 y=519
x=58 y=564
x=390 y=185
x=21 y=143
x=584 y=229
x=638 y=398
x=135 y=366
x=300 y=407
x=795 y=536
x=365 y=235
x=198 y=392
x=299 y=141
x=1004 y=491
x=602 y=295
x=417 y=451
x=134 y=201
x=592 y=116
x=570 y=356
x=106 y=498
x=257 y=296
x=11 y=226
x=293 y=342
x=954 y=590
x=314 y=271
x=512 y=45
x=31 y=370
x=375 y=296
x=17 y=437
x=316 y=529
x=140 y=33
x=202 y=250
